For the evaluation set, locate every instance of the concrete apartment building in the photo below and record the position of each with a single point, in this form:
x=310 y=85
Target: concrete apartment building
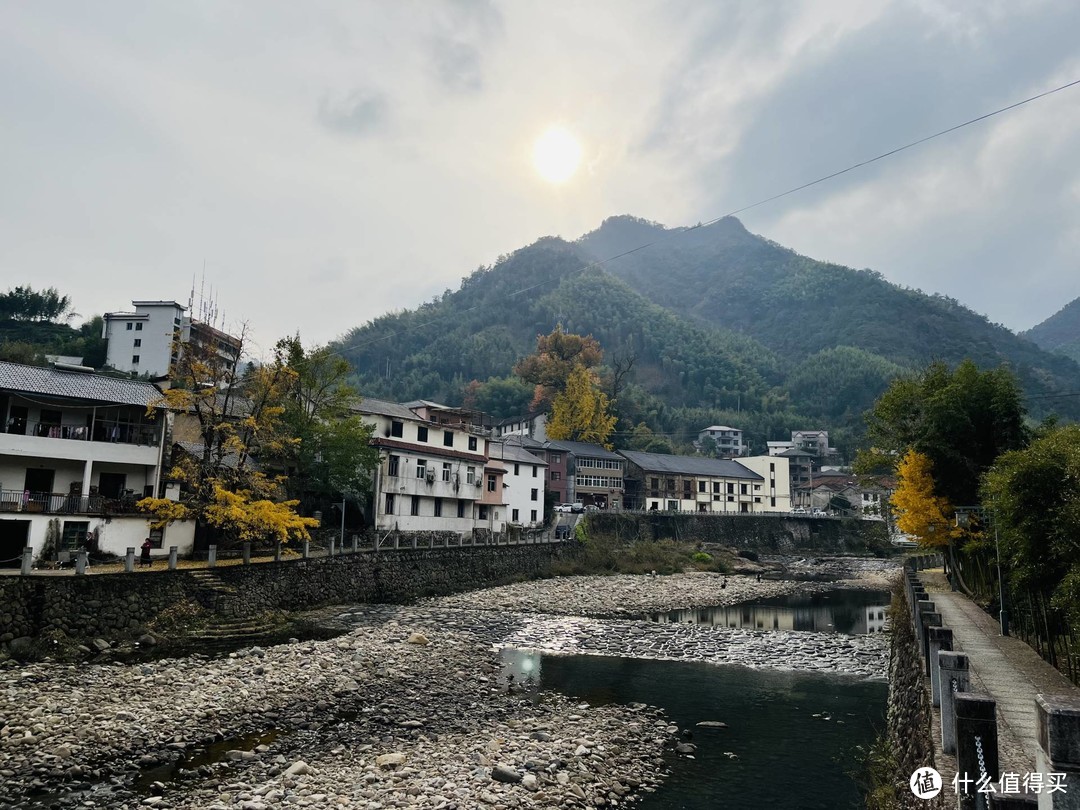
x=729 y=440
x=659 y=482
x=524 y=483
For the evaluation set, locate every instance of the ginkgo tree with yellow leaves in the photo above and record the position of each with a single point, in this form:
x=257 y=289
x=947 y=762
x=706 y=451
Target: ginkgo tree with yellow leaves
x=581 y=411
x=920 y=512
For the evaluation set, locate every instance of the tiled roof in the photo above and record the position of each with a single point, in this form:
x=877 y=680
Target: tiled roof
x=54 y=382
x=509 y=451
x=688 y=465
x=381 y=407
x=581 y=449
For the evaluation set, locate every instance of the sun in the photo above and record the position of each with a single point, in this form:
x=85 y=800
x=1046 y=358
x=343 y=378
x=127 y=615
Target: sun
x=557 y=154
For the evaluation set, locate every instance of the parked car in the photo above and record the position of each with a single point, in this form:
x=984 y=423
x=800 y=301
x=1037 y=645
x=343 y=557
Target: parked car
x=799 y=510
x=592 y=507
x=818 y=512
x=562 y=531
x=563 y=507
x=577 y=507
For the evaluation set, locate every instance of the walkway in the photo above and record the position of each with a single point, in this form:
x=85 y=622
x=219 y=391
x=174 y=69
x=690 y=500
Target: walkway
x=1003 y=667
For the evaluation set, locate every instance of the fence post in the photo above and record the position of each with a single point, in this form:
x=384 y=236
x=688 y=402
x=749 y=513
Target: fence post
x=27 y=561
x=246 y=551
x=976 y=743
x=941 y=640
x=307 y=549
x=211 y=557
x=129 y=561
x=277 y=551
x=331 y=549
x=355 y=540
x=172 y=557
x=924 y=609
x=80 y=561
x=1057 y=719
x=955 y=679
x=931 y=621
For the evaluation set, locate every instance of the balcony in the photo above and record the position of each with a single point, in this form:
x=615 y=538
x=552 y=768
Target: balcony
x=144 y=435
x=118 y=443
x=55 y=503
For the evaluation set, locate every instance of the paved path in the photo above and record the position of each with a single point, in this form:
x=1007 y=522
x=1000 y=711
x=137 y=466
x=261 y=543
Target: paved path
x=1003 y=667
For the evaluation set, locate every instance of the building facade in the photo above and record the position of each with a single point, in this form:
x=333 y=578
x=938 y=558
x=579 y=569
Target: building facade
x=431 y=476
x=729 y=440
x=524 y=482
x=776 y=481
x=658 y=482
x=593 y=474
x=78 y=452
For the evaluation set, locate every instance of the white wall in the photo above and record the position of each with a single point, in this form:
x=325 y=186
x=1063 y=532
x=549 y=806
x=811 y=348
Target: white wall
x=777 y=474
x=518 y=491
x=115 y=534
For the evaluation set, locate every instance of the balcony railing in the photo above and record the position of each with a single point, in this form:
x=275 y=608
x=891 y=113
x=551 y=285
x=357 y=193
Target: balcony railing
x=54 y=503
x=146 y=435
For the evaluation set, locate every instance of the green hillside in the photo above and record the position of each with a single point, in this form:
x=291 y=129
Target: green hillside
x=1060 y=332
x=723 y=326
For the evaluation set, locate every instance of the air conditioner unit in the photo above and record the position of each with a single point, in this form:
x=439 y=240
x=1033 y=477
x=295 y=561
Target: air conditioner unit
x=430 y=477
x=478 y=483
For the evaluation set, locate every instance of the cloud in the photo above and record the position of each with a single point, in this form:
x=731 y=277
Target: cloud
x=466 y=31
x=361 y=112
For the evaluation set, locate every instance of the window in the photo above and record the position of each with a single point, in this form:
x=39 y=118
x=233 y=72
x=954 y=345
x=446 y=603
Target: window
x=75 y=532
x=757 y=487
x=438 y=507
x=669 y=483
x=533 y=495
x=772 y=501
x=517 y=469
x=461 y=509
x=470 y=475
x=138 y=327
x=448 y=438
x=472 y=442
x=533 y=516
x=446 y=471
x=514 y=515
x=491 y=483
x=655 y=483
x=757 y=499
x=730 y=489
x=421 y=467
x=556 y=475
x=157 y=538
x=716 y=487
x=556 y=458
x=130 y=326
x=743 y=489
x=483 y=512
x=389 y=503
x=135 y=359
x=535 y=468
x=702 y=486
x=392 y=466
x=138 y=342
x=421 y=433
x=397 y=428
x=772 y=467
x=414 y=506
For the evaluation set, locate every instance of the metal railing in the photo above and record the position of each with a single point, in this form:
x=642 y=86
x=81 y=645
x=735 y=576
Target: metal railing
x=53 y=503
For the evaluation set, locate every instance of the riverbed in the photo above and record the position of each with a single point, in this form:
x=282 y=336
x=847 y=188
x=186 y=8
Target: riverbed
x=412 y=707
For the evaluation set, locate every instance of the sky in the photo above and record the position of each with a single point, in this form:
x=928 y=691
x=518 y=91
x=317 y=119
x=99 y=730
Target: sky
x=328 y=162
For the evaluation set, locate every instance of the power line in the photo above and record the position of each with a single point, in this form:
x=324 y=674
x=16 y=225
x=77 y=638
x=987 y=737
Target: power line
x=673 y=233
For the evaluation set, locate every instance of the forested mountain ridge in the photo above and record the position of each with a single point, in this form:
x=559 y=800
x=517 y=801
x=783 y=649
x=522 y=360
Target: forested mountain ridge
x=1060 y=332
x=723 y=326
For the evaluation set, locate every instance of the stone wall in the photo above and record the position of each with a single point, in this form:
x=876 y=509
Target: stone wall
x=121 y=605
x=757 y=532
x=909 y=717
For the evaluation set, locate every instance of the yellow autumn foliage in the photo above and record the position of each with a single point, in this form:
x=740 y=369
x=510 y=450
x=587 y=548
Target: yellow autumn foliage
x=919 y=512
x=580 y=412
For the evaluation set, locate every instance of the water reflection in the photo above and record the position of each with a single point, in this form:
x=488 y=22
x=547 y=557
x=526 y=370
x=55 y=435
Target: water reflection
x=848 y=611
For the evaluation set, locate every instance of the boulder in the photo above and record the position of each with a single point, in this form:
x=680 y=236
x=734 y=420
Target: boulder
x=504 y=773
x=418 y=638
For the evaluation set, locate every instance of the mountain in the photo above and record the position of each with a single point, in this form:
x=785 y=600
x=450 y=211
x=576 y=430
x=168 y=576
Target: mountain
x=1060 y=332
x=723 y=326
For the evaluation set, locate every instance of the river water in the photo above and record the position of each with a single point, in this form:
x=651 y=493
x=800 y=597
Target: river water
x=791 y=739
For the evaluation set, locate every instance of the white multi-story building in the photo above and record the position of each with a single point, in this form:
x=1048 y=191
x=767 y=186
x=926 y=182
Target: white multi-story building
x=776 y=483
x=533 y=425
x=524 y=483
x=431 y=476
x=729 y=440
x=151 y=339
x=79 y=449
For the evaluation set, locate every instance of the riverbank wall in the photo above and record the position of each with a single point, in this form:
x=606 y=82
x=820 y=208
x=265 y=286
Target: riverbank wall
x=761 y=533
x=115 y=606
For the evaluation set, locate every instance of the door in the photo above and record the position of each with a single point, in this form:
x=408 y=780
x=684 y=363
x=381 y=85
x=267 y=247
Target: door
x=39 y=481
x=14 y=537
x=17 y=420
x=111 y=485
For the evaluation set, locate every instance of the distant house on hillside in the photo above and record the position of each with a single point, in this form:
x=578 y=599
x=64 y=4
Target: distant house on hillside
x=729 y=440
x=533 y=425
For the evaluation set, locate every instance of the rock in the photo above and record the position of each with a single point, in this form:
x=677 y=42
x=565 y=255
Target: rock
x=147 y=640
x=298 y=768
x=390 y=760
x=100 y=644
x=711 y=724
x=418 y=638
x=20 y=647
x=581 y=751
x=504 y=773
x=528 y=781
x=685 y=748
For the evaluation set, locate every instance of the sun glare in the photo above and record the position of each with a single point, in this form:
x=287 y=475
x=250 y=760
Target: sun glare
x=556 y=155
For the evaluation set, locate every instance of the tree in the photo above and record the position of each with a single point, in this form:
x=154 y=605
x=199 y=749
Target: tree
x=919 y=512
x=581 y=411
x=1034 y=494
x=27 y=304
x=229 y=420
x=329 y=455
x=556 y=357
x=961 y=420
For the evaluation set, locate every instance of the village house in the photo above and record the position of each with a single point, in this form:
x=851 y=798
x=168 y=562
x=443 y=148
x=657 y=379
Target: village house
x=524 y=483
x=79 y=450
x=659 y=482
x=593 y=474
x=728 y=440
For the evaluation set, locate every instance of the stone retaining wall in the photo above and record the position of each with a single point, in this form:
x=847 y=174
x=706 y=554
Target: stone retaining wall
x=121 y=605
x=781 y=535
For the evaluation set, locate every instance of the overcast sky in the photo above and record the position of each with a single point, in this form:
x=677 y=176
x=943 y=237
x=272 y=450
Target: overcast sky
x=331 y=161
